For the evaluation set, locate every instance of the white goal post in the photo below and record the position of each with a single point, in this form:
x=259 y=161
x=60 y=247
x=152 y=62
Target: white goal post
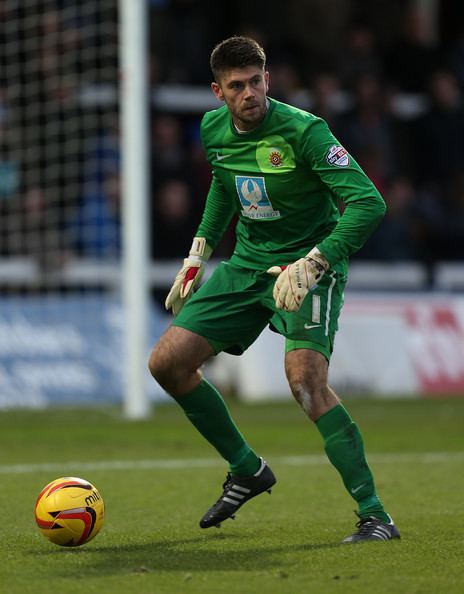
x=134 y=107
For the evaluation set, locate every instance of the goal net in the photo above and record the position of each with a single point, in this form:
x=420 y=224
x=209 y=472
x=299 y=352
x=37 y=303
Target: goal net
x=60 y=203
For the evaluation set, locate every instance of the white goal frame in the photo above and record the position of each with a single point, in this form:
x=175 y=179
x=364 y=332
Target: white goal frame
x=134 y=110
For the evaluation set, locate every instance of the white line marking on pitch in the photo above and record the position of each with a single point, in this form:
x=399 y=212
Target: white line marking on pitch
x=173 y=464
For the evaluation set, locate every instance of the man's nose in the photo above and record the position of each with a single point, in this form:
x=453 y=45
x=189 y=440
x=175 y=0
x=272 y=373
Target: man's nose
x=249 y=92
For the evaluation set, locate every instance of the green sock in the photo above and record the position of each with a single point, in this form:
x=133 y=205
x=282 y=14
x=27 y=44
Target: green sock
x=345 y=449
x=207 y=411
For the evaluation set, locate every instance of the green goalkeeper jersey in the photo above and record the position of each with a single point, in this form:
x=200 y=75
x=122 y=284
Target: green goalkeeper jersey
x=285 y=180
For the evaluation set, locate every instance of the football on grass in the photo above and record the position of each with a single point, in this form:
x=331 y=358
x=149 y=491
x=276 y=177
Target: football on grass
x=69 y=511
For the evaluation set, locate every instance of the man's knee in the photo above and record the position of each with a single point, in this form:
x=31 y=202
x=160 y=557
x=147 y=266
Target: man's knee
x=176 y=358
x=314 y=397
x=156 y=364
x=160 y=365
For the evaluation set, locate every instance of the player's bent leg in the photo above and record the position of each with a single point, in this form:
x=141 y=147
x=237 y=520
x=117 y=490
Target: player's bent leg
x=174 y=363
x=175 y=360
x=307 y=373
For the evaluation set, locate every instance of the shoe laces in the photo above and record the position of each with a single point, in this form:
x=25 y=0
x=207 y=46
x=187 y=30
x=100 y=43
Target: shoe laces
x=365 y=525
x=228 y=482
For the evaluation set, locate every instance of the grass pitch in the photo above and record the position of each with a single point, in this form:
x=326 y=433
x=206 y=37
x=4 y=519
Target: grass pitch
x=158 y=477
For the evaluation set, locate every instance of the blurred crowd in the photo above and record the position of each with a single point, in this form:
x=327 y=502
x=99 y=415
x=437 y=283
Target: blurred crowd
x=388 y=78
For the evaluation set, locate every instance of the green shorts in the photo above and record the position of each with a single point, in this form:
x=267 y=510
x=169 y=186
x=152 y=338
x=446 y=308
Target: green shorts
x=235 y=304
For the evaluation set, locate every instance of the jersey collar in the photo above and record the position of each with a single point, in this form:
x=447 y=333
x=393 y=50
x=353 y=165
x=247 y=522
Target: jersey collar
x=248 y=133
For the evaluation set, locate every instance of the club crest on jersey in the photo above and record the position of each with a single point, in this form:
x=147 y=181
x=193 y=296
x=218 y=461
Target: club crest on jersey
x=254 y=199
x=275 y=158
x=338 y=156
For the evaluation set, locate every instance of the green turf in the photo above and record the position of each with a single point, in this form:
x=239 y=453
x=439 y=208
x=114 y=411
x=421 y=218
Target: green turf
x=287 y=543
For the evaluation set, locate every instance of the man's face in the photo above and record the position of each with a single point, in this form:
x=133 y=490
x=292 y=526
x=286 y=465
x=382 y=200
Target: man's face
x=244 y=92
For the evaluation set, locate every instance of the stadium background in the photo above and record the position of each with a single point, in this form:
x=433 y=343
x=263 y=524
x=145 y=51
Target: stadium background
x=63 y=332
x=388 y=78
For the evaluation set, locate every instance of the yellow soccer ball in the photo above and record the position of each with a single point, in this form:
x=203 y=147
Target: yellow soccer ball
x=69 y=511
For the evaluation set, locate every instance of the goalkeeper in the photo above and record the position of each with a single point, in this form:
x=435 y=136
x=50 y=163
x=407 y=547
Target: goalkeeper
x=282 y=172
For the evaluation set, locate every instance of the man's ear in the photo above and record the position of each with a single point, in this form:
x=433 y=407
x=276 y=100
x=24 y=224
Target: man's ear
x=217 y=91
x=266 y=80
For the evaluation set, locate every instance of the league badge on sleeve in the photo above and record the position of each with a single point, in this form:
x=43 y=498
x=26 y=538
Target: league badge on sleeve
x=338 y=156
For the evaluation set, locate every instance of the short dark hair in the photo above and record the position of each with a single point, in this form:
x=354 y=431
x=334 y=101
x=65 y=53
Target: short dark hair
x=236 y=52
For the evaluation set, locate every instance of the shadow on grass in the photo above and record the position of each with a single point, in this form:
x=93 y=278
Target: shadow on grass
x=211 y=553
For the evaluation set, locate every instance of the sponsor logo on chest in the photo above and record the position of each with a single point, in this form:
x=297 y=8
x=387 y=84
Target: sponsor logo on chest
x=254 y=198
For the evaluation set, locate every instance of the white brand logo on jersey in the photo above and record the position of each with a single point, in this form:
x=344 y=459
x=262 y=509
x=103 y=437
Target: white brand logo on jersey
x=253 y=197
x=338 y=156
x=220 y=157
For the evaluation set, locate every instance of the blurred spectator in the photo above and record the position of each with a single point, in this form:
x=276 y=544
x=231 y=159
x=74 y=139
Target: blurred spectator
x=199 y=170
x=172 y=217
x=456 y=58
x=401 y=233
x=169 y=156
x=414 y=55
x=439 y=133
x=327 y=99
x=450 y=240
x=441 y=209
x=359 y=56
x=317 y=28
x=10 y=186
x=285 y=83
x=367 y=130
x=9 y=166
x=182 y=38
x=94 y=228
x=31 y=230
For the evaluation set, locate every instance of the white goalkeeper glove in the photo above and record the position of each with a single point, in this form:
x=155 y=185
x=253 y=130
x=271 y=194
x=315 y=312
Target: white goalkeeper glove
x=294 y=281
x=189 y=275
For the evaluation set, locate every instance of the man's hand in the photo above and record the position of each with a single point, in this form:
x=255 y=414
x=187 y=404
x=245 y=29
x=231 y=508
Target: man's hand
x=294 y=281
x=188 y=276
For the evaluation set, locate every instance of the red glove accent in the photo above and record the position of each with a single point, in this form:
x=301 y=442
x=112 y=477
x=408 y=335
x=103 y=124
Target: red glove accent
x=190 y=275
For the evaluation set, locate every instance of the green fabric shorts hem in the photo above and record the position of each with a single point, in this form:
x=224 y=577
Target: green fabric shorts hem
x=293 y=345
x=218 y=346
